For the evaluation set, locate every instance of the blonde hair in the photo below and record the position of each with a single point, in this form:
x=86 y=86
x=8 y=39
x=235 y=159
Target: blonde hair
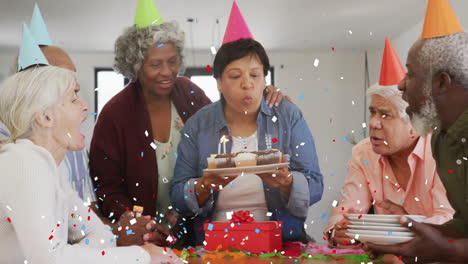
x=31 y=92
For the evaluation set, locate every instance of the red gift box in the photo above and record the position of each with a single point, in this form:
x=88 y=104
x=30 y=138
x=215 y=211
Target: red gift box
x=254 y=237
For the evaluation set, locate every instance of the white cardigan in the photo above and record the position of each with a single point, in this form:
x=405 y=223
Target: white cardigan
x=42 y=220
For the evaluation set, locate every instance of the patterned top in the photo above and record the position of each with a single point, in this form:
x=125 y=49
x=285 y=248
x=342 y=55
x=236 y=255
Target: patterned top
x=166 y=156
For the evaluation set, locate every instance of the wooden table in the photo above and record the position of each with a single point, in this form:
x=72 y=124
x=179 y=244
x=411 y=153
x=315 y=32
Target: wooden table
x=255 y=260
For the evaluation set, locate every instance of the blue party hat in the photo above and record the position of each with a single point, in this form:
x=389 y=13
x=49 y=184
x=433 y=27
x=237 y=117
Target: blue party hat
x=30 y=53
x=39 y=29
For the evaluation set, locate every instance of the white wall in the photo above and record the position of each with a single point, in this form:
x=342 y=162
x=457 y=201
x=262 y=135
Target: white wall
x=403 y=42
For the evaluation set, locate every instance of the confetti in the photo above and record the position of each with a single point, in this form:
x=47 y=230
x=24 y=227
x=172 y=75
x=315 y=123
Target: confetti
x=103 y=253
x=257 y=230
x=274 y=140
x=301 y=97
x=350 y=32
x=274 y=119
x=316 y=63
x=160 y=45
x=132 y=221
x=146 y=133
x=129 y=232
x=213 y=50
x=210 y=227
x=192 y=91
x=208 y=68
x=8 y=219
x=367 y=163
x=335 y=203
x=324 y=215
x=153 y=145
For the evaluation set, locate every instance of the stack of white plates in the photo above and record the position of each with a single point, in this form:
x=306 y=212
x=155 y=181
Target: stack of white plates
x=380 y=229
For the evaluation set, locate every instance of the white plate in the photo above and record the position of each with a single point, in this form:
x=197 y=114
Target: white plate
x=383 y=218
x=374 y=223
x=253 y=169
x=379 y=228
x=381 y=240
x=380 y=233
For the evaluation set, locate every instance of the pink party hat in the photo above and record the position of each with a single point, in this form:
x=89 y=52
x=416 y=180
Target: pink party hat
x=236 y=28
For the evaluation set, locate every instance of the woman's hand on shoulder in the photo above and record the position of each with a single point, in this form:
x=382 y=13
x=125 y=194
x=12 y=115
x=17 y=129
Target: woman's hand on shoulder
x=273 y=96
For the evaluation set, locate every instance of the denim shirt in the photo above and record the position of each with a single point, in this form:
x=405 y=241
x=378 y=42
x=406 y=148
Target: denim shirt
x=282 y=128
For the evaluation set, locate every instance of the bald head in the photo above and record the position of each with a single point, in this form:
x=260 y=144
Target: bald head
x=58 y=57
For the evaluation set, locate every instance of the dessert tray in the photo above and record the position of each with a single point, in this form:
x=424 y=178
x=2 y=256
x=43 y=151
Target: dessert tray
x=237 y=171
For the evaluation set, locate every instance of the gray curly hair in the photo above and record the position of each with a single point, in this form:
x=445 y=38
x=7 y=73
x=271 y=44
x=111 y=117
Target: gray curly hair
x=446 y=54
x=132 y=45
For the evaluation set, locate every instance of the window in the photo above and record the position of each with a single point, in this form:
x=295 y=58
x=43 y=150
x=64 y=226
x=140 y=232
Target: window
x=207 y=83
x=107 y=84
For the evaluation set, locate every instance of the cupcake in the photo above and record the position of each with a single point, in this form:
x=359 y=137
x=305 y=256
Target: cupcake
x=245 y=159
x=218 y=161
x=270 y=156
x=212 y=161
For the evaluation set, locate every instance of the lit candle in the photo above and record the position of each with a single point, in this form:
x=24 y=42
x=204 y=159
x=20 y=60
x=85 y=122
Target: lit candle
x=224 y=144
x=219 y=145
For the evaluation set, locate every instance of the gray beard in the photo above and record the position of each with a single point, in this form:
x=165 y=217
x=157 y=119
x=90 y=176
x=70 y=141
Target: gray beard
x=427 y=120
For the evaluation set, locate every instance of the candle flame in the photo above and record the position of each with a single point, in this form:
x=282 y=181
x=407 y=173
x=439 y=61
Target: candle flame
x=224 y=139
